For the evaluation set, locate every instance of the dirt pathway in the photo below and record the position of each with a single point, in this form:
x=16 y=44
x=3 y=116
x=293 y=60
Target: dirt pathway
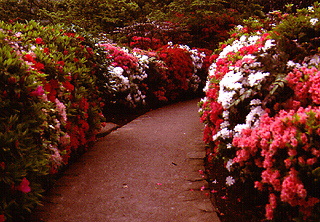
x=145 y=171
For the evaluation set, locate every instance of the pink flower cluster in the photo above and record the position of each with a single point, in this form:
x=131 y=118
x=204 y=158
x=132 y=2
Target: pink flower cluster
x=306 y=83
x=278 y=147
x=283 y=142
x=120 y=58
x=24 y=186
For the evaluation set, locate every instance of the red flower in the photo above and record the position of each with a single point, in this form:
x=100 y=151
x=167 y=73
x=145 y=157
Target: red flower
x=46 y=50
x=2 y=218
x=39 y=66
x=51 y=88
x=68 y=86
x=24 y=186
x=39 y=41
x=28 y=58
x=61 y=63
x=12 y=80
x=83 y=104
x=80 y=38
x=69 y=34
x=84 y=125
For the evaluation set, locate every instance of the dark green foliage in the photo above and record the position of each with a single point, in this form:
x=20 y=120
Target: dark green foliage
x=272 y=5
x=201 y=23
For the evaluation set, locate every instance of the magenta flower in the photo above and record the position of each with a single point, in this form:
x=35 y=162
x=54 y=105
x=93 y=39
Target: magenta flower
x=38 y=92
x=24 y=186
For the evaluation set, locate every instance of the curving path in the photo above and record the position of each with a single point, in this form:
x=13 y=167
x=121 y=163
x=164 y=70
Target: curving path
x=145 y=171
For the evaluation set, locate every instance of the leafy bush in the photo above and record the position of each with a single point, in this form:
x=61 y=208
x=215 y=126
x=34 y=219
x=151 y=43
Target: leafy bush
x=50 y=107
x=139 y=78
x=13 y=10
x=293 y=5
x=178 y=75
x=261 y=113
x=152 y=35
x=196 y=23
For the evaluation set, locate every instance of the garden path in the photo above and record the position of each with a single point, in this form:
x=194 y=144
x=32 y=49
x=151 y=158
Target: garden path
x=145 y=171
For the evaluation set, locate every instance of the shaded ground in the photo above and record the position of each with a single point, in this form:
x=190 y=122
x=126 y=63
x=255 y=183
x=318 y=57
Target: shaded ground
x=237 y=203
x=145 y=171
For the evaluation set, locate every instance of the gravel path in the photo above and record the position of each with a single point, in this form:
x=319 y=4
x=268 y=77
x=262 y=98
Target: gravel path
x=145 y=171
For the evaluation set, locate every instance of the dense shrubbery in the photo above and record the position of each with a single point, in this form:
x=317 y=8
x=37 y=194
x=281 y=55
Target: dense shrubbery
x=152 y=78
x=261 y=112
x=261 y=106
x=54 y=85
x=49 y=105
x=193 y=22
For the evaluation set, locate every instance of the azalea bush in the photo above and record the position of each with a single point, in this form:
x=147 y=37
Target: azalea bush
x=141 y=78
x=261 y=114
x=50 y=108
x=128 y=70
x=177 y=73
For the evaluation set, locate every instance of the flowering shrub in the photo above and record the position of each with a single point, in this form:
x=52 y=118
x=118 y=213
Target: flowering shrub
x=139 y=77
x=179 y=74
x=127 y=73
x=49 y=107
x=261 y=114
x=145 y=43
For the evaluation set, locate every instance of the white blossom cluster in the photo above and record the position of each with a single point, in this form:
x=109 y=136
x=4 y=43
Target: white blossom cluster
x=243 y=76
x=196 y=56
x=237 y=82
x=126 y=84
x=126 y=81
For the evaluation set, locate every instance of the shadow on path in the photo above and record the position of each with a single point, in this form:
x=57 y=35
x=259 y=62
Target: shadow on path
x=145 y=171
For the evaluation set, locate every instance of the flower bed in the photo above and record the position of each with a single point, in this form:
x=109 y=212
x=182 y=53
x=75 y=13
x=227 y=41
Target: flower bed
x=54 y=87
x=261 y=115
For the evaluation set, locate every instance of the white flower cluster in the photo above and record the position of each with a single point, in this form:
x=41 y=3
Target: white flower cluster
x=119 y=81
x=196 y=56
x=240 y=81
x=308 y=61
x=237 y=81
x=126 y=84
x=314 y=21
x=143 y=66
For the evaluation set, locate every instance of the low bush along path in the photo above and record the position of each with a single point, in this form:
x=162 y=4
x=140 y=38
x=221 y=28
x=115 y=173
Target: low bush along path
x=145 y=171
